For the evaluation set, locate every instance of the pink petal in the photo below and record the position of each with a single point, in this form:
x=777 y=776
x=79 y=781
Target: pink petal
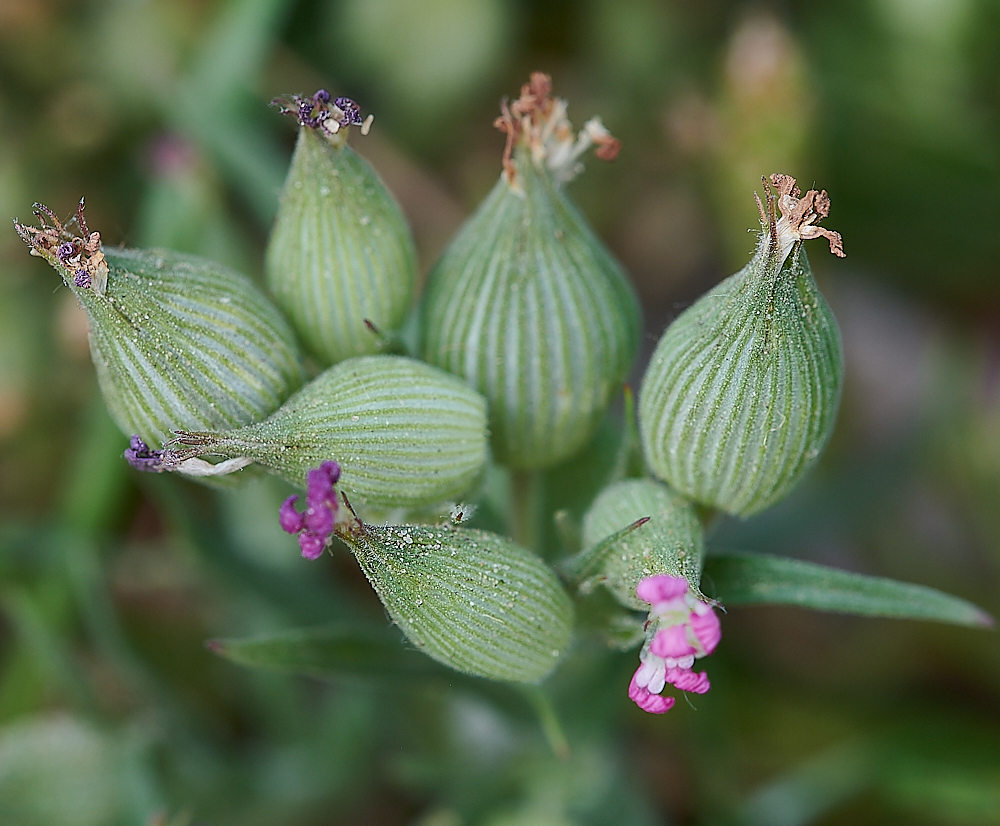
x=653 y=703
x=686 y=680
x=311 y=545
x=707 y=629
x=291 y=520
x=650 y=673
x=661 y=588
x=672 y=642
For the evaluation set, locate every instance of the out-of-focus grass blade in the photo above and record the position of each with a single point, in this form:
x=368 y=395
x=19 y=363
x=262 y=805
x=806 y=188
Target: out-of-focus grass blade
x=212 y=103
x=238 y=46
x=748 y=579
x=332 y=652
x=812 y=789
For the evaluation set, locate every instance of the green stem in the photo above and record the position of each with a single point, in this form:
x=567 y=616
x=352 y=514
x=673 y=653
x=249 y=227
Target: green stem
x=548 y=720
x=524 y=506
x=707 y=515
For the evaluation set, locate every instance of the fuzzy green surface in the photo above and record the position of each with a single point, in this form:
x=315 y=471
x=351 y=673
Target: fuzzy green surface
x=528 y=306
x=180 y=342
x=672 y=542
x=741 y=394
x=340 y=251
x=470 y=599
x=406 y=434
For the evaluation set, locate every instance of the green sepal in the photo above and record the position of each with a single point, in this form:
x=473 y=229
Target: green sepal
x=404 y=433
x=179 y=341
x=761 y=579
x=672 y=542
x=741 y=394
x=528 y=305
x=340 y=253
x=472 y=600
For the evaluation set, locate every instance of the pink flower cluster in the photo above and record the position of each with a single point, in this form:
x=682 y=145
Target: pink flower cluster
x=688 y=630
x=314 y=525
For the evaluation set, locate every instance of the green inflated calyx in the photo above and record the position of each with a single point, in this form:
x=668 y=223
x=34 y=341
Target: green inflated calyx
x=472 y=600
x=741 y=394
x=526 y=303
x=177 y=340
x=404 y=433
x=621 y=552
x=340 y=259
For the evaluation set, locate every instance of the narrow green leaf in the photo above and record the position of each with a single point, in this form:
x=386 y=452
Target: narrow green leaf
x=756 y=579
x=334 y=651
x=581 y=566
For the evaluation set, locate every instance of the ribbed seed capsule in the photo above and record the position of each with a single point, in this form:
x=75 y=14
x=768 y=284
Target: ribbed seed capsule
x=672 y=542
x=526 y=303
x=340 y=253
x=177 y=340
x=405 y=434
x=741 y=394
x=470 y=599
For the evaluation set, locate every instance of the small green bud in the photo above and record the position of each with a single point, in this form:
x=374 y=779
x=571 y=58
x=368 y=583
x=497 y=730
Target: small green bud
x=671 y=542
x=470 y=599
x=526 y=303
x=405 y=434
x=177 y=340
x=741 y=394
x=340 y=253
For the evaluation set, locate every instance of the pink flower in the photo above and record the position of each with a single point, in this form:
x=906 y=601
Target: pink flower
x=314 y=525
x=686 y=630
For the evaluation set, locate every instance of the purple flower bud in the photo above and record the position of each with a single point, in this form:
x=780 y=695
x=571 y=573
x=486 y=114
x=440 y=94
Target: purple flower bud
x=142 y=458
x=316 y=524
x=322 y=96
x=311 y=544
x=290 y=519
x=81 y=278
x=319 y=487
x=318 y=520
x=332 y=469
x=66 y=250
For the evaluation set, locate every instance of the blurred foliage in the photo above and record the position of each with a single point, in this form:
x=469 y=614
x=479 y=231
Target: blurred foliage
x=111 y=709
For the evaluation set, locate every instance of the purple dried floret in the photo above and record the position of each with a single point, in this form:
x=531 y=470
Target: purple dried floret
x=81 y=278
x=141 y=457
x=66 y=250
x=351 y=110
x=314 y=111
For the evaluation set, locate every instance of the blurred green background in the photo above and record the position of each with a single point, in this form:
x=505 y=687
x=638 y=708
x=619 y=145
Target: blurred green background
x=111 y=709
